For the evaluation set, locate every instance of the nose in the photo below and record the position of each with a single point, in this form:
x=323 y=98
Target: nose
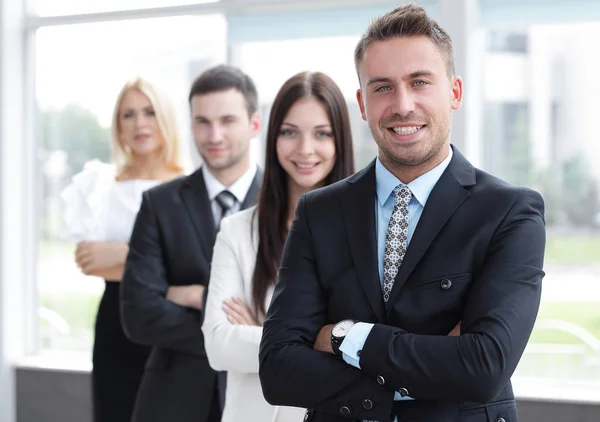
x=306 y=145
x=216 y=133
x=141 y=120
x=404 y=103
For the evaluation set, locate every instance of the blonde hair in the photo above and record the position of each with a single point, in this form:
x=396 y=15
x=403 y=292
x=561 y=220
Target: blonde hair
x=165 y=117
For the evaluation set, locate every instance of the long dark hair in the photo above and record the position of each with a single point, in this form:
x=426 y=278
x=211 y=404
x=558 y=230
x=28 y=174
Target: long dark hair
x=273 y=205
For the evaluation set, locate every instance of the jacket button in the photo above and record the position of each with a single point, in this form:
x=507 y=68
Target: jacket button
x=380 y=380
x=367 y=404
x=446 y=284
x=403 y=392
x=500 y=420
x=345 y=410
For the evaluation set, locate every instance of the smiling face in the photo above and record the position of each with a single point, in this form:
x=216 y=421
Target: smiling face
x=138 y=127
x=305 y=145
x=407 y=98
x=222 y=129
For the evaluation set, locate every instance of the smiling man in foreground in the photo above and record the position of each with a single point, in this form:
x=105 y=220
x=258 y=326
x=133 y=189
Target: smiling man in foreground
x=380 y=267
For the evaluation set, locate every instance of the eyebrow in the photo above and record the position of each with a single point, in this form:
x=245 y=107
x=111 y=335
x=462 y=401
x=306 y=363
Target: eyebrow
x=225 y=116
x=295 y=126
x=412 y=75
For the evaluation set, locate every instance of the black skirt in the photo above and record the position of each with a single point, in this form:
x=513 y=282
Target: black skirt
x=118 y=363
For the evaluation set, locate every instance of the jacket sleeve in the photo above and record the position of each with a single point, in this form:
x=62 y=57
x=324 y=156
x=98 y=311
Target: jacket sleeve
x=229 y=347
x=291 y=372
x=147 y=316
x=499 y=315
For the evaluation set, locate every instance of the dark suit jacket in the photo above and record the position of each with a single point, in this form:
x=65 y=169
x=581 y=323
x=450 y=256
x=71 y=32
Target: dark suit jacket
x=476 y=256
x=172 y=244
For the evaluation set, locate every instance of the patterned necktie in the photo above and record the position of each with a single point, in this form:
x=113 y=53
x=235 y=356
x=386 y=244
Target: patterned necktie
x=226 y=201
x=396 y=239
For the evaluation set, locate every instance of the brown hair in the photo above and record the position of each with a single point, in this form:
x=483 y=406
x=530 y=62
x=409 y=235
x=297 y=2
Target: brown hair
x=222 y=78
x=408 y=20
x=273 y=207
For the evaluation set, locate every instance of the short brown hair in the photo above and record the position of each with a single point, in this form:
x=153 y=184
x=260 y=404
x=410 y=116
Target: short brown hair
x=408 y=20
x=223 y=78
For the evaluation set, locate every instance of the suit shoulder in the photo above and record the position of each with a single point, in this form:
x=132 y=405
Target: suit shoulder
x=239 y=220
x=327 y=194
x=240 y=229
x=166 y=189
x=489 y=185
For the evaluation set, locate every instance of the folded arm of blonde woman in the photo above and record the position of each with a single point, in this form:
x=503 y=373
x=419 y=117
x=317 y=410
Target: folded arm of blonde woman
x=231 y=333
x=102 y=259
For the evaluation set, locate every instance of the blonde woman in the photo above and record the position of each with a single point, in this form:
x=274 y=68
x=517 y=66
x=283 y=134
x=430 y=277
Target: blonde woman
x=101 y=204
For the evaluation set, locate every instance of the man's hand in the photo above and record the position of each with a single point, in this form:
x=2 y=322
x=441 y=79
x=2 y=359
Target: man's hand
x=456 y=330
x=323 y=341
x=238 y=313
x=187 y=296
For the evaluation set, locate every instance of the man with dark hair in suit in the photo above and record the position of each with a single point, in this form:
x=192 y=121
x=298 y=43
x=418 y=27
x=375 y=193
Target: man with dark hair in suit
x=167 y=269
x=380 y=267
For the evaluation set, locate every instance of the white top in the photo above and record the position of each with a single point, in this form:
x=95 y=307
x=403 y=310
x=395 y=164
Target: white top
x=234 y=348
x=99 y=208
x=239 y=189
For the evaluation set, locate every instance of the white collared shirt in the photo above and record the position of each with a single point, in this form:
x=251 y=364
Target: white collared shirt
x=239 y=189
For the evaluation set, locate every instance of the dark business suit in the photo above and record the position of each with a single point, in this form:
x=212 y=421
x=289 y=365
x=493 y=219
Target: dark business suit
x=172 y=244
x=476 y=256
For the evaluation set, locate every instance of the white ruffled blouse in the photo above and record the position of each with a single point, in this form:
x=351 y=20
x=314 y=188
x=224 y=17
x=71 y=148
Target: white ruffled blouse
x=97 y=207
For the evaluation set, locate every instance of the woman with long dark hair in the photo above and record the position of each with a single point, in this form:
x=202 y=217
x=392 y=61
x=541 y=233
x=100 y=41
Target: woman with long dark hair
x=309 y=145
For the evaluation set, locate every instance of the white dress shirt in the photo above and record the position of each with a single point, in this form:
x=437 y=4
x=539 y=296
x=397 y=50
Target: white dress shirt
x=239 y=189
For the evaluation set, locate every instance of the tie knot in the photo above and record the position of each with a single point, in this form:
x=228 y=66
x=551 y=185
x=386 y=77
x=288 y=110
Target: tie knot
x=403 y=194
x=226 y=200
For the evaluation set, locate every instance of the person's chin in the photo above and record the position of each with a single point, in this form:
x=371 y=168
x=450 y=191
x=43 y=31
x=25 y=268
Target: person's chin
x=218 y=162
x=308 y=182
x=145 y=150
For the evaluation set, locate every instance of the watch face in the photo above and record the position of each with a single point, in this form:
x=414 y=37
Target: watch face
x=342 y=328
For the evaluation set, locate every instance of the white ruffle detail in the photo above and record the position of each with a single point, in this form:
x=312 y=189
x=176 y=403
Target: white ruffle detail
x=86 y=201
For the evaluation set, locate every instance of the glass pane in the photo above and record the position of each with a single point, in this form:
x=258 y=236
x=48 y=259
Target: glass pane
x=76 y=7
x=540 y=117
x=79 y=72
x=331 y=55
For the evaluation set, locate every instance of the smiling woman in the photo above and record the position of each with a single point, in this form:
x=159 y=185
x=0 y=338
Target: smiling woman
x=309 y=145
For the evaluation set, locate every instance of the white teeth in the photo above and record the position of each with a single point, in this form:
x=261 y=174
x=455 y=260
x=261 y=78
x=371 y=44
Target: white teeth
x=305 y=166
x=406 y=130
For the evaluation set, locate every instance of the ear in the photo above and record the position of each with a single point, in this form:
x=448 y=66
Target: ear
x=457 y=92
x=361 y=104
x=255 y=124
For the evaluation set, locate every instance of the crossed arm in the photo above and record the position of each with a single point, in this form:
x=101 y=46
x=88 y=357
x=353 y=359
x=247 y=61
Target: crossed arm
x=498 y=318
x=152 y=311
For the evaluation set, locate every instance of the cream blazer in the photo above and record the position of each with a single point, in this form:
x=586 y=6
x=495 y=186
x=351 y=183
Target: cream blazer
x=234 y=348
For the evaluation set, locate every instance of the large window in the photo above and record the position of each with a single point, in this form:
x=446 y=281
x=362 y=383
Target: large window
x=74 y=7
x=540 y=117
x=79 y=72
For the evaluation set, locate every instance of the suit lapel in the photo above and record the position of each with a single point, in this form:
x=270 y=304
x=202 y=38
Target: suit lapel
x=197 y=203
x=445 y=198
x=358 y=205
x=252 y=195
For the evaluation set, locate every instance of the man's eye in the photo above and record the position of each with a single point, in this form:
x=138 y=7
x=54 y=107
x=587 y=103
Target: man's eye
x=383 y=89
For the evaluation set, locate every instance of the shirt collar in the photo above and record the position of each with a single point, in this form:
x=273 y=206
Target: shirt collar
x=239 y=189
x=421 y=187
